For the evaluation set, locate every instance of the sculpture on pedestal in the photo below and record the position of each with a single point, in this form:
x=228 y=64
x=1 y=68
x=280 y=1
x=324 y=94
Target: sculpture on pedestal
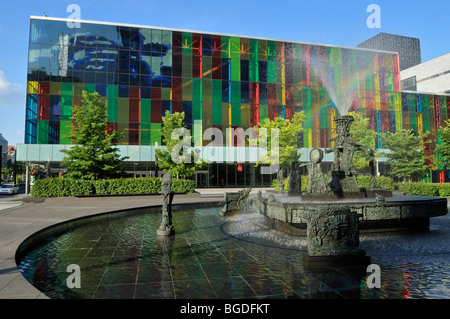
x=295 y=180
x=317 y=185
x=343 y=173
x=166 y=228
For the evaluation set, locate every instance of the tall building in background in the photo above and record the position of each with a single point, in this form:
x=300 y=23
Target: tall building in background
x=218 y=80
x=407 y=47
x=431 y=76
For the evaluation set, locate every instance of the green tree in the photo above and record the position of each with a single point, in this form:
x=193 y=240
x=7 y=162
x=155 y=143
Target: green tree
x=406 y=155
x=93 y=155
x=177 y=156
x=289 y=143
x=443 y=147
x=10 y=167
x=363 y=136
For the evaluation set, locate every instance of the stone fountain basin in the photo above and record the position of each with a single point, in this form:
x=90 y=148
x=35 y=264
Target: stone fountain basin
x=397 y=213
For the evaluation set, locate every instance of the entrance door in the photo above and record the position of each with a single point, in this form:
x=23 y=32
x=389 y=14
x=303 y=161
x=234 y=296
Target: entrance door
x=201 y=179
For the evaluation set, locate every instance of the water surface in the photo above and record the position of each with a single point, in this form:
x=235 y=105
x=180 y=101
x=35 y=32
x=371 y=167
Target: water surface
x=233 y=257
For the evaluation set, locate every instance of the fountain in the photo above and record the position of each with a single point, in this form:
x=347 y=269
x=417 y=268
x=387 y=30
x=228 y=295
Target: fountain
x=331 y=215
x=241 y=258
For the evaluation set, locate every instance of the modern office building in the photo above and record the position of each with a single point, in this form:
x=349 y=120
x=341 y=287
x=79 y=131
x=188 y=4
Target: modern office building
x=431 y=76
x=407 y=47
x=218 y=80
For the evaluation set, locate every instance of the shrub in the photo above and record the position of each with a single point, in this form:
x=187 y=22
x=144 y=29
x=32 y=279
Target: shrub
x=444 y=190
x=363 y=181
x=385 y=182
x=418 y=189
x=58 y=187
x=141 y=185
x=382 y=181
x=286 y=184
x=183 y=185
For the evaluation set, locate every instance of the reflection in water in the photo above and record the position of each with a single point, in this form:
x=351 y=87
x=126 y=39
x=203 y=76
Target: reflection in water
x=235 y=257
x=413 y=265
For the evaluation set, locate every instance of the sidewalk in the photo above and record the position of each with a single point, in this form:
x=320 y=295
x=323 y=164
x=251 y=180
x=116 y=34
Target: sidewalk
x=8 y=201
x=17 y=222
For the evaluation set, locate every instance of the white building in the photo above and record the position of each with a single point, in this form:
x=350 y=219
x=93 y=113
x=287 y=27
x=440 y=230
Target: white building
x=432 y=76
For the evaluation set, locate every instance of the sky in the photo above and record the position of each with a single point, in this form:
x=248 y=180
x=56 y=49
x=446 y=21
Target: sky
x=342 y=23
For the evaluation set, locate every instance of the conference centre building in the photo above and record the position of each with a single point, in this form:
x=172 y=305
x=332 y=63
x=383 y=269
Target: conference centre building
x=220 y=81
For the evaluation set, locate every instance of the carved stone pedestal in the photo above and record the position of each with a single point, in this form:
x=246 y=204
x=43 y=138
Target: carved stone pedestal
x=333 y=238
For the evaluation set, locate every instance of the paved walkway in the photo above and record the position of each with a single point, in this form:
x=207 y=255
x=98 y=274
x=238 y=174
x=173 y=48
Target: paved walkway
x=19 y=221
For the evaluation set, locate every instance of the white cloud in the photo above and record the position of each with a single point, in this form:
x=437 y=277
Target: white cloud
x=10 y=93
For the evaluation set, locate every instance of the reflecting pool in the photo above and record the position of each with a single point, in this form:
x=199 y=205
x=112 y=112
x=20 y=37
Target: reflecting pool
x=233 y=257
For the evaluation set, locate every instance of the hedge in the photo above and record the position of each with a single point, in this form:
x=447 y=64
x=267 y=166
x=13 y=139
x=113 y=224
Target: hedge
x=276 y=186
x=382 y=181
x=424 y=189
x=58 y=187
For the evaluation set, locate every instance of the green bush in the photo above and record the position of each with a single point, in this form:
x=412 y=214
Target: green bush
x=444 y=190
x=382 y=181
x=59 y=187
x=286 y=184
x=385 y=182
x=183 y=185
x=363 y=181
x=418 y=189
x=141 y=185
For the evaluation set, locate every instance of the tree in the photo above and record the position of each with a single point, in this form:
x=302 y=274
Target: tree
x=444 y=146
x=93 y=155
x=286 y=150
x=406 y=157
x=363 y=136
x=177 y=156
x=18 y=168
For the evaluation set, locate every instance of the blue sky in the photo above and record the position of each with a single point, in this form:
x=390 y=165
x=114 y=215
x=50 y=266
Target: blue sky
x=327 y=22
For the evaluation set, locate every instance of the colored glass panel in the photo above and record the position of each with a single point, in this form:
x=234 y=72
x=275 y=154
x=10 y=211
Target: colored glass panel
x=65 y=132
x=112 y=109
x=222 y=80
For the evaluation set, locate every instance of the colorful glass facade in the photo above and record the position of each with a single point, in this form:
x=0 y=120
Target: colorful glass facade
x=222 y=81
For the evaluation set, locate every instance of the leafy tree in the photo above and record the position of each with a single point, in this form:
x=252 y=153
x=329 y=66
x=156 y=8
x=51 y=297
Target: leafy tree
x=406 y=157
x=177 y=156
x=444 y=147
x=10 y=167
x=363 y=136
x=286 y=150
x=93 y=155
